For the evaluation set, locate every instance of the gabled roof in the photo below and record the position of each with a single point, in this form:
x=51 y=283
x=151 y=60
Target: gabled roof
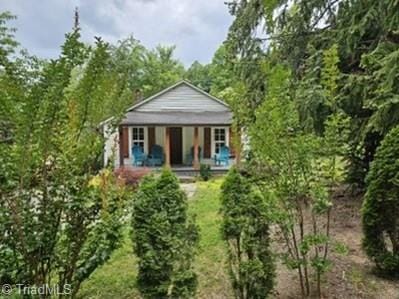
x=182 y=117
x=182 y=82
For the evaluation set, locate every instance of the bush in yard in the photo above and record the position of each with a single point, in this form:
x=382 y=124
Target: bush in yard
x=380 y=211
x=205 y=172
x=164 y=239
x=245 y=229
x=131 y=177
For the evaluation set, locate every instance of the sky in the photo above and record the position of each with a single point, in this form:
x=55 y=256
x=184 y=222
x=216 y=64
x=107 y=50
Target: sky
x=196 y=27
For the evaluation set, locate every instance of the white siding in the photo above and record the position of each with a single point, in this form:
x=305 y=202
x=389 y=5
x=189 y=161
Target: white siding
x=182 y=98
x=111 y=149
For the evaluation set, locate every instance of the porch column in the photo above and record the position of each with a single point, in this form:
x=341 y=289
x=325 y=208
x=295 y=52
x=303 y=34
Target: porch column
x=167 y=147
x=238 y=147
x=121 y=146
x=196 y=163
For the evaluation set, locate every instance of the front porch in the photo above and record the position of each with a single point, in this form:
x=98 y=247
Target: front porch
x=183 y=148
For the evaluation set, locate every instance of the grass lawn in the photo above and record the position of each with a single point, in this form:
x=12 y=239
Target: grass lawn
x=116 y=279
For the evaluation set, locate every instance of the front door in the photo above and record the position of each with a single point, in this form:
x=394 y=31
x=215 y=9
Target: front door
x=176 y=145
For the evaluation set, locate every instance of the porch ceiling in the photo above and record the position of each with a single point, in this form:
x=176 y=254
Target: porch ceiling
x=177 y=118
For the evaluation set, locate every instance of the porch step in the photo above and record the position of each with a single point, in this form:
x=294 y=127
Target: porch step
x=186 y=179
x=185 y=174
x=191 y=172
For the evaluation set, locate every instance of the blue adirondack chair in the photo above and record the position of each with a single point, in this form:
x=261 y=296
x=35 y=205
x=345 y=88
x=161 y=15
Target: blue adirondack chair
x=155 y=158
x=190 y=156
x=139 y=157
x=223 y=156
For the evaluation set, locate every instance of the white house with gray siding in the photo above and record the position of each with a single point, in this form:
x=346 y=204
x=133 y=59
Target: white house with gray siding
x=189 y=124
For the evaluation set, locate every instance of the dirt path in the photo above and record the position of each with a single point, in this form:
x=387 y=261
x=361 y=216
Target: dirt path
x=351 y=276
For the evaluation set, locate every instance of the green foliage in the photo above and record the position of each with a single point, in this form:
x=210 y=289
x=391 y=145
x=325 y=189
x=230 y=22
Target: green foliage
x=222 y=76
x=376 y=110
x=56 y=223
x=117 y=278
x=298 y=170
x=311 y=96
x=227 y=86
x=127 y=59
x=7 y=42
x=144 y=72
x=161 y=69
x=245 y=229
x=245 y=55
x=308 y=35
x=330 y=75
x=164 y=239
x=199 y=75
x=205 y=172
x=381 y=206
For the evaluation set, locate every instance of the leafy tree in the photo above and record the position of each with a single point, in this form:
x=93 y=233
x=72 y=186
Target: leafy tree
x=220 y=71
x=161 y=69
x=127 y=59
x=7 y=40
x=244 y=49
x=366 y=39
x=245 y=228
x=8 y=81
x=199 y=75
x=381 y=207
x=142 y=72
x=164 y=239
x=376 y=110
x=296 y=34
x=297 y=171
x=285 y=156
x=56 y=224
x=313 y=106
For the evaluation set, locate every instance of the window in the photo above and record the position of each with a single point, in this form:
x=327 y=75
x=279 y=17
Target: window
x=219 y=139
x=138 y=137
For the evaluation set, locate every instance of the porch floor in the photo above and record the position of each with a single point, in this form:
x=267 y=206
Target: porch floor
x=181 y=170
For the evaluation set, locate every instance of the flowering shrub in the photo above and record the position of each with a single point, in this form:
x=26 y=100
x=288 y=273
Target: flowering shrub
x=131 y=176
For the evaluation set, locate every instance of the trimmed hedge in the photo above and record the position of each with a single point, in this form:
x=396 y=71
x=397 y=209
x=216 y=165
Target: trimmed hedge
x=245 y=229
x=380 y=211
x=164 y=239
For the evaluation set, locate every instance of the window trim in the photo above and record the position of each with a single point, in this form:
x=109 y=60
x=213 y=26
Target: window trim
x=213 y=142
x=131 y=139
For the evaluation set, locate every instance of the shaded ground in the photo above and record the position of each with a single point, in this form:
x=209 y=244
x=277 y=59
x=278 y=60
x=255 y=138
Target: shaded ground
x=351 y=276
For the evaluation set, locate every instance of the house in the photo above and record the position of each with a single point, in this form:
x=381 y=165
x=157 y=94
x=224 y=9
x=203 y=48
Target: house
x=190 y=126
